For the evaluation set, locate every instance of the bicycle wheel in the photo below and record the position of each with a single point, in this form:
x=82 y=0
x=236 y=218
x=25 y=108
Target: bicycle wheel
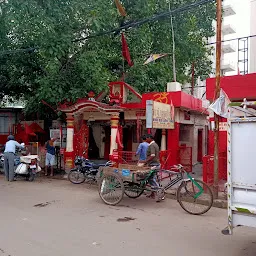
x=111 y=189
x=195 y=197
x=133 y=190
x=76 y=177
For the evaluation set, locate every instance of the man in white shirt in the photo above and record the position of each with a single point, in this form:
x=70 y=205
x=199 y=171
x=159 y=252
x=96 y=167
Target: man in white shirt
x=9 y=155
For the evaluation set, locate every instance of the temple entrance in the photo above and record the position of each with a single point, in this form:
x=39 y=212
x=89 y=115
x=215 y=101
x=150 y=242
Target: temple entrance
x=93 y=152
x=106 y=141
x=127 y=138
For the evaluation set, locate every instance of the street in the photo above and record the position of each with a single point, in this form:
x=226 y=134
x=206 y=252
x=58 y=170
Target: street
x=55 y=217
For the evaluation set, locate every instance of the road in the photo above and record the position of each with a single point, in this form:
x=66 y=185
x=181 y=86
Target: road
x=76 y=222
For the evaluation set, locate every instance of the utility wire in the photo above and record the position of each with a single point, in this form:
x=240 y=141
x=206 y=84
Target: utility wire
x=148 y=20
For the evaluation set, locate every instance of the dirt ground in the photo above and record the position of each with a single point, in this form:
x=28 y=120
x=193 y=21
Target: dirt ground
x=57 y=218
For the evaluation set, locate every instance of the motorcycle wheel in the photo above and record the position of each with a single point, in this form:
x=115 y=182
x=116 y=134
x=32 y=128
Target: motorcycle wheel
x=31 y=177
x=76 y=177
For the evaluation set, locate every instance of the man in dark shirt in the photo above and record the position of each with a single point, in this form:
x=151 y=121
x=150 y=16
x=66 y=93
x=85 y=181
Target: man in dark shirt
x=153 y=161
x=50 y=156
x=153 y=152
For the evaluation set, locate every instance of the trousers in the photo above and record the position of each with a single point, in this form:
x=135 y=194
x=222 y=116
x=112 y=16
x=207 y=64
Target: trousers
x=9 y=166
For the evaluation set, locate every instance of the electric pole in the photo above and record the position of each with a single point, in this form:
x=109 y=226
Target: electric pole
x=217 y=94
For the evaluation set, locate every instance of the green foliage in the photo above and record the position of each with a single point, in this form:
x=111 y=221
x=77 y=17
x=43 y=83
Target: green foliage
x=62 y=69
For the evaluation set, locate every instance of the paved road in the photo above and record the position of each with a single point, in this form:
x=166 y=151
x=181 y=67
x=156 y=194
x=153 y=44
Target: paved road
x=76 y=222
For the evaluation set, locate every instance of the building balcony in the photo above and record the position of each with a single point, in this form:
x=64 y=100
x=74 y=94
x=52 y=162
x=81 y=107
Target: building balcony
x=228 y=29
x=227 y=66
x=228 y=10
x=228 y=47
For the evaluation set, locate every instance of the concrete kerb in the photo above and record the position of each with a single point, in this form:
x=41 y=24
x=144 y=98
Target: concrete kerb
x=218 y=203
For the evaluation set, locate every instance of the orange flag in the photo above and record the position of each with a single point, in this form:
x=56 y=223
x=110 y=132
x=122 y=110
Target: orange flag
x=120 y=8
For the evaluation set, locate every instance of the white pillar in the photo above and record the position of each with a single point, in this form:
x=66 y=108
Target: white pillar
x=163 y=141
x=114 y=127
x=70 y=134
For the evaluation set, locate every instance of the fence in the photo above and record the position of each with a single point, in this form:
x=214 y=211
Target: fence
x=208 y=170
x=165 y=157
x=129 y=157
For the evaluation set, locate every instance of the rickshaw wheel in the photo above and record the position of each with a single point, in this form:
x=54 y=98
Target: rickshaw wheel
x=133 y=190
x=111 y=189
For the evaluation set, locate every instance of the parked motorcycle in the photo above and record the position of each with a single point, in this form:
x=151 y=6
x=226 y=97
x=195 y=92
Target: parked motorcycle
x=85 y=170
x=27 y=167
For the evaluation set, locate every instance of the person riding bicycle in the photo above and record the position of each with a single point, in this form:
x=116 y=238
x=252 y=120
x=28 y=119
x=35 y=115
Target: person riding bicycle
x=154 y=162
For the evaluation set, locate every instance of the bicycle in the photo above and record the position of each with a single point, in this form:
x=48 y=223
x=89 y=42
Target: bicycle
x=191 y=192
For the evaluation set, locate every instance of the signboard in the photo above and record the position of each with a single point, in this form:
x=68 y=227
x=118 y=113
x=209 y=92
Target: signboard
x=223 y=126
x=55 y=133
x=159 y=115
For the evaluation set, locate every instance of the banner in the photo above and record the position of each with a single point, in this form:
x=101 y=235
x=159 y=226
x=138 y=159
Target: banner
x=220 y=106
x=154 y=57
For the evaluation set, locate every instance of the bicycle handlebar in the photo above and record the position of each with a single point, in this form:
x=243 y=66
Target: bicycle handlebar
x=179 y=167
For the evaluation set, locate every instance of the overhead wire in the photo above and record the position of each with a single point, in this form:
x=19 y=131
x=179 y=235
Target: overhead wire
x=126 y=26
x=148 y=20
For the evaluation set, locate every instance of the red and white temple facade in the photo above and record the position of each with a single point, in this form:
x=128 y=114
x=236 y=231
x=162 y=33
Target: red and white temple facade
x=99 y=130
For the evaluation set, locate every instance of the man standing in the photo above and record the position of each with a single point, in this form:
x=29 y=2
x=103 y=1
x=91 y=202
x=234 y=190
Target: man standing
x=9 y=155
x=50 y=156
x=153 y=161
x=152 y=152
x=142 y=149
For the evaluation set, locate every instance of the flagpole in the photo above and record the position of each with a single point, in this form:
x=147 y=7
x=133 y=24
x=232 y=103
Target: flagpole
x=123 y=77
x=217 y=94
x=173 y=48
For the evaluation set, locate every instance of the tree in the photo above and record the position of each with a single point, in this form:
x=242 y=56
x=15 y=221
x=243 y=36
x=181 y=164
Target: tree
x=62 y=67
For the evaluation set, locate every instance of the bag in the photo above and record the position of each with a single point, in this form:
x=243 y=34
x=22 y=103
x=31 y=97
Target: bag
x=21 y=169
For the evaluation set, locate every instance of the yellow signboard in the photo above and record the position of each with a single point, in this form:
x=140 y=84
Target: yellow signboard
x=160 y=115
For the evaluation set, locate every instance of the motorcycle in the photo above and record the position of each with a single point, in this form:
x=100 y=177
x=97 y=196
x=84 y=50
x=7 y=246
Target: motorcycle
x=27 y=167
x=85 y=170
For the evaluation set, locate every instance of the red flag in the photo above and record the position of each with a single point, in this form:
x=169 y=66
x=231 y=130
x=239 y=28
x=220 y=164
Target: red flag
x=125 y=51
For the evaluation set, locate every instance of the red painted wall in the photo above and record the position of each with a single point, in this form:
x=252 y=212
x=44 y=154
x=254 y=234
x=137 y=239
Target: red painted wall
x=173 y=139
x=222 y=140
x=178 y=99
x=3 y=139
x=236 y=87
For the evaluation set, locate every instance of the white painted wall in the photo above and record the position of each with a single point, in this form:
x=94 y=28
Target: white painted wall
x=241 y=23
x=195 y=123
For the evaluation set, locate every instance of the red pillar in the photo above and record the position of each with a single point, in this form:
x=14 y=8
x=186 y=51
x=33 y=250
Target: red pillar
x=173 y=139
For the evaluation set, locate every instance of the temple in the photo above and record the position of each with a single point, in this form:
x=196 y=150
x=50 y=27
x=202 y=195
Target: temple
x=110 y=125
